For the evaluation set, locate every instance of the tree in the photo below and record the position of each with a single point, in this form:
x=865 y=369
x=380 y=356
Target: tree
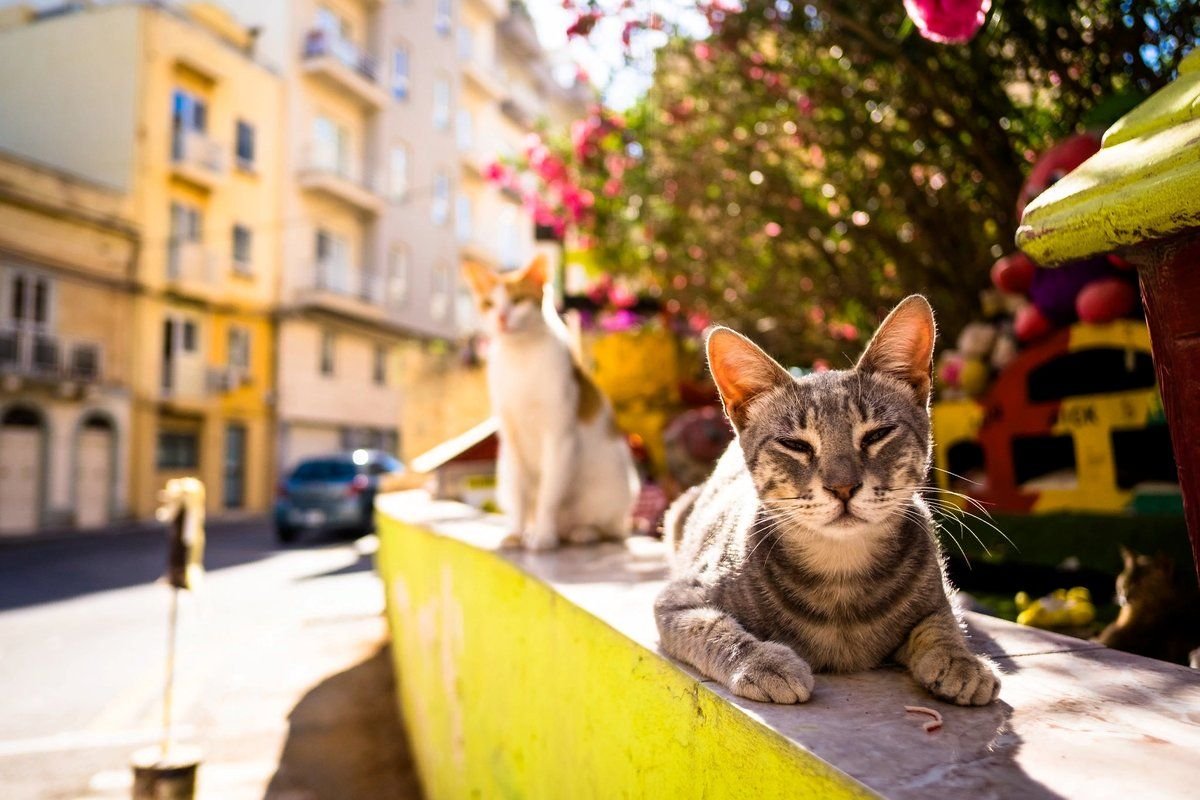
x=805 y=167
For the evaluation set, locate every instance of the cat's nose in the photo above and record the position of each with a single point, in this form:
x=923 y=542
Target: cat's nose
x=844 y=491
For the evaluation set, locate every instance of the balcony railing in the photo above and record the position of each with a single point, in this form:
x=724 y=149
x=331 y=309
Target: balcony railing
x=47 y=356
x=341 y=279
x=319 y=43
x=190 y=263
x=343 y=181
x=196 y=156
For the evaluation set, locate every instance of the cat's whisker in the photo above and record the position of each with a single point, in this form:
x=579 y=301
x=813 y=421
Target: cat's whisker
x=956 y=475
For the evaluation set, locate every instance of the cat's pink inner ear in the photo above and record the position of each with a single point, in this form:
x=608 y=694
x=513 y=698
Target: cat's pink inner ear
x=902 y=348
x=741 y=370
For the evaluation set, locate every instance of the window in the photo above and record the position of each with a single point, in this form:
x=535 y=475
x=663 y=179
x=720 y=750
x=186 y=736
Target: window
x=379 y=368
x=328 y=343
x=440 y=208
x=441 y=17
x=178 y=450
x=29 y=299
x=397 y=277
x=462 y=218
x=398 y=172
x=189 y=116
x=239 y=349
x=245 y=145
x=181 y=343
x=331 y=147
x=439 y=301
x=187 y=223
x=464 y=129
x=400 y=72
x=466 y=42
x=331 y=23
x=242 y=249
x=441 y=104
x=333 y=262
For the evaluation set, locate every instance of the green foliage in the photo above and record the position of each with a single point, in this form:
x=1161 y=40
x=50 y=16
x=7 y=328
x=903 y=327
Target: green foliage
x=805 y=167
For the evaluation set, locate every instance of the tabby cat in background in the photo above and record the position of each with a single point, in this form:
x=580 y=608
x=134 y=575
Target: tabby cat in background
x=1160 y=610
x=564 y=471
x=809 y=548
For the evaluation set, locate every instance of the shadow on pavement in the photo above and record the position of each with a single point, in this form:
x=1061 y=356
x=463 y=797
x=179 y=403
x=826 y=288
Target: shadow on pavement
x=345 y=740
x=36 y=571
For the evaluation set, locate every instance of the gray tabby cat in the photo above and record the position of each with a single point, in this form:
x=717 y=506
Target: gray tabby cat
x=809 y=547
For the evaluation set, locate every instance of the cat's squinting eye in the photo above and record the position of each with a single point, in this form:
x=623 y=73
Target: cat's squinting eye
x=876 y=436
x=797 y=446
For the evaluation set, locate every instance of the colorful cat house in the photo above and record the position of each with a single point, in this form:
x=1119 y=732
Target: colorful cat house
x=1073 y=423
x=464 y=468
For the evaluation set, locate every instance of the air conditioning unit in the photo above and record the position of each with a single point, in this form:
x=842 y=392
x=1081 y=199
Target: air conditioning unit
x=220 y=380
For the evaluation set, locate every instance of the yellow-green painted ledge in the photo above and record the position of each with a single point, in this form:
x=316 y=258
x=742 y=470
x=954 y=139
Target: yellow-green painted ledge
x=538 y=676
x=1143 y=184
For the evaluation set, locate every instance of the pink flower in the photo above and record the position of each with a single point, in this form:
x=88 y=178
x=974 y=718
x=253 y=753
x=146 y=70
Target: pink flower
x=702 y=51
x=495 y=172
x=948 y=21
x=612 y=187
x=583 y=24
x=772 y=229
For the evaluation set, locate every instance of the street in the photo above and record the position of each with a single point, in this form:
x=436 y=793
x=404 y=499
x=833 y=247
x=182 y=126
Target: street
x=282 y=673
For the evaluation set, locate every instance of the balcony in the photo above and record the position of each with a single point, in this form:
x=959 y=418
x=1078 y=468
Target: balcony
x=192 y=269
x=522 y=105
x=483 y=79
x=344 y=290
x=342 y=183
x=197 y=159
x=344 y=68
x=43 y=357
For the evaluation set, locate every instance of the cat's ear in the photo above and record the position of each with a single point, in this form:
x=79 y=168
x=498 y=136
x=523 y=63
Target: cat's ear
x=534 y=273
x=902 y=347
x=1128 y=557
x=480 y=278
x=741 y=370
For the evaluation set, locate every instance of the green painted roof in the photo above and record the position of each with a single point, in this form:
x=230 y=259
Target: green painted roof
x=1144 y=184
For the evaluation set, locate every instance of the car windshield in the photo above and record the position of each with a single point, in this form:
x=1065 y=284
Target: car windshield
x=325 y=471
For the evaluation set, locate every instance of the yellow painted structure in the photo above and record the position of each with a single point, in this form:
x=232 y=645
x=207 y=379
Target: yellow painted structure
x=639 y=372
x=116 y=74
x=66 y=240
x=509 y=691
x=1141 y=185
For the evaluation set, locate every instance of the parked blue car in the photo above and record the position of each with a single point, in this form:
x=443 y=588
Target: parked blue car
x=334 y=493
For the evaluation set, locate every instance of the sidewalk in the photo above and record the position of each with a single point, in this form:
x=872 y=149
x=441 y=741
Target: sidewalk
x=283 y=678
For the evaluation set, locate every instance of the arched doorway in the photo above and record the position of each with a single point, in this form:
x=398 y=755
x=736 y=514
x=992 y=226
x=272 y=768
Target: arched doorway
x=22 y=458
x=94 y=471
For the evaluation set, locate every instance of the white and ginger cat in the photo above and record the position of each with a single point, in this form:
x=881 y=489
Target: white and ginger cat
x=565 y=472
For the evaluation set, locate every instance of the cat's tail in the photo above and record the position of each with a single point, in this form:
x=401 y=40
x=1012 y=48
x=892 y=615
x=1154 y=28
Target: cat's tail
x=677 y=515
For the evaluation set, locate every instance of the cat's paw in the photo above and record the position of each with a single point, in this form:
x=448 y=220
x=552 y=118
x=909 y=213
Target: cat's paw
x=540 y=538
x=512 y=541
x=962 y=678
x=772 y=673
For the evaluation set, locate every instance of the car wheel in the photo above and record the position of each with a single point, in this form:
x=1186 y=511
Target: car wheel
x=285 y=534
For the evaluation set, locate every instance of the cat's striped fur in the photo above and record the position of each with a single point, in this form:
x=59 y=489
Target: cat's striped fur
x=809 y=547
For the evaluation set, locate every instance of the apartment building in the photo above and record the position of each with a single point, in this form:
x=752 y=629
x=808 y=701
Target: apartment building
x=67 y=257
x=168 y=110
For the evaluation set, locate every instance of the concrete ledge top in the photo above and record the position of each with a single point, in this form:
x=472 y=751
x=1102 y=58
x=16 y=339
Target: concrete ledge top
x=1074 y=719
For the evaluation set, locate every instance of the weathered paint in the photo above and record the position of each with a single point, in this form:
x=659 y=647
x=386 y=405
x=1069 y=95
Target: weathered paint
x=510 y=691
x=1141 y=186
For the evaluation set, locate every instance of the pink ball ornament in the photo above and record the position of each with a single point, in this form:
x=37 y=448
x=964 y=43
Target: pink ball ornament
x=1105 y=300
x=1013 y=273
x=950 y=370
x=1030 y=324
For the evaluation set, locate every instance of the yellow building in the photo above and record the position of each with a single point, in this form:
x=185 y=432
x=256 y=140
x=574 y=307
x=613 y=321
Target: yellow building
x=169 y=109
x=66 y=258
